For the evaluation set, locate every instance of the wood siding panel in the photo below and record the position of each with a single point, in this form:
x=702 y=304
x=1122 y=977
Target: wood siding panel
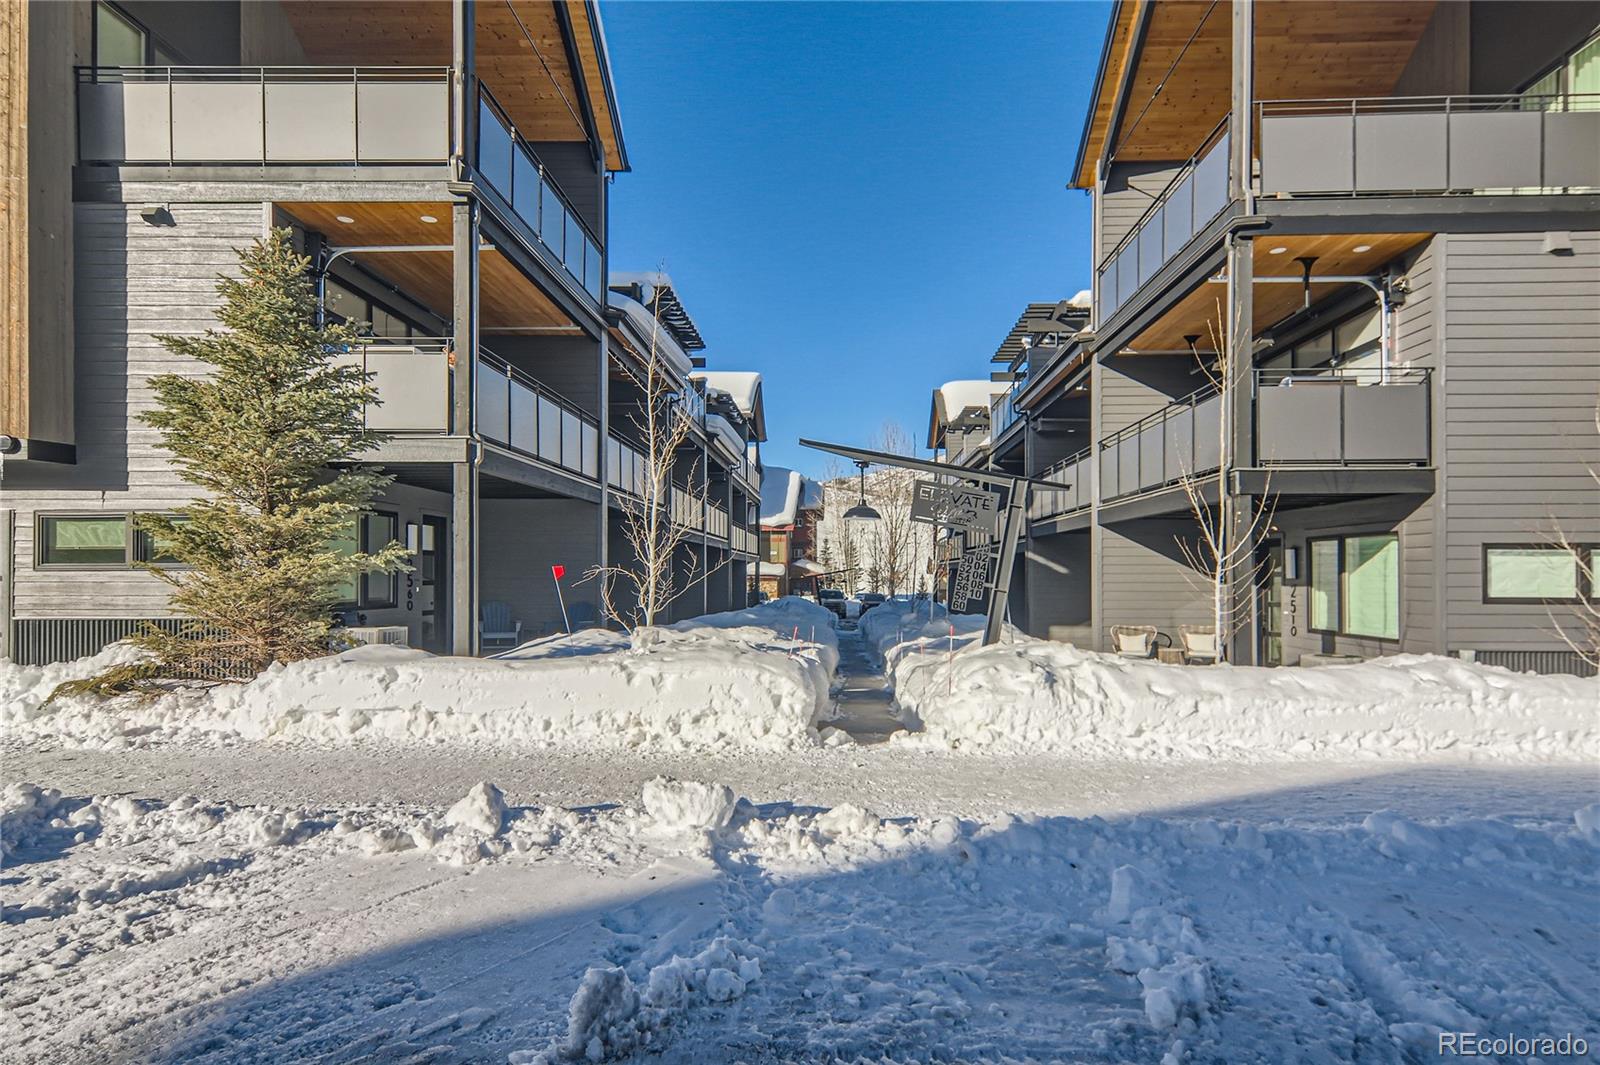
x=1144 y=581
x=132 y=280
x=1522 y=343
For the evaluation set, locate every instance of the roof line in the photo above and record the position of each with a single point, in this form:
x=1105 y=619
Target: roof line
x=598 y=29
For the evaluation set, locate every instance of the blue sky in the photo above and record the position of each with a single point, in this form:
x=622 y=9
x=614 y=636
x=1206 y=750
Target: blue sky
x=855 y=199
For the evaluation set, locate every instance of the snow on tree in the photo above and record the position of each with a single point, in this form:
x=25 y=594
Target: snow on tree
x=259 y=567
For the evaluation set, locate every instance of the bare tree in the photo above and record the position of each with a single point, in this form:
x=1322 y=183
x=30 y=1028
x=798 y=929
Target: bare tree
x=1221 y=563
x=655 y=512
x=1581 y=630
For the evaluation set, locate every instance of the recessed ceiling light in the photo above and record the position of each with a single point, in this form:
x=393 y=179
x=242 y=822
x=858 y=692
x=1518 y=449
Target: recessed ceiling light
x=428 y=218
x=1363 y=247
x=1276 y=251
x=346 y=219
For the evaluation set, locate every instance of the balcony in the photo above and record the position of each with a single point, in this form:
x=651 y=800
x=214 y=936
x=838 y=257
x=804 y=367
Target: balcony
x=1189 y=203
x=510 y=166
x=511 y=409
x=517 y=412
x=1072 y=474
x=1335 y=418
x=263 y=116
x=1003 y=412
x=1430 y=145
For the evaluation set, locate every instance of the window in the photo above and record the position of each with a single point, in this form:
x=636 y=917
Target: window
x=1355 y=586
x=371 y=533
x=152 y=549
x=96 y=540
x=83 y=540
x=1577 y=75
x=1538 y=573
x=1358 y=341
x=120 y=40
x=345 y=304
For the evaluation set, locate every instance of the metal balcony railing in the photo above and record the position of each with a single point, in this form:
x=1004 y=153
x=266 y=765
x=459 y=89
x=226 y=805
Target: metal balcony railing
x=517 y=412
x=1344 y=416
x=508 y=163
x=1430 y=145
x=412 y=378
x=1323 y=417
x=1072 y=473
x=263 y=116
x=1003 y=412
x=1195 y=196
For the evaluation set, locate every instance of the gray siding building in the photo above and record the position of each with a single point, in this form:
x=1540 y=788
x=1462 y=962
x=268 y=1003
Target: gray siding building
x=447 y=175
x=1359 y=319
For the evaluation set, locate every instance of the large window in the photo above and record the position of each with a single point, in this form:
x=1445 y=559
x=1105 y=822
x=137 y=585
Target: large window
x=373 y=532
x=1578 y=75
x=96 y=540
x=1539 y=573
x=1355 y=586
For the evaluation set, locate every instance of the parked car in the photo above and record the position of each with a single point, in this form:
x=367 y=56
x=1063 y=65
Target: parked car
x=832 y=599
x=871 y=599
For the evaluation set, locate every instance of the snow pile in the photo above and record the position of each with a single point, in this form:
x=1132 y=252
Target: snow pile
x=688 y=806
x=610 y=1016
x=1034 y=695
x=758 y=678
x=896 y=630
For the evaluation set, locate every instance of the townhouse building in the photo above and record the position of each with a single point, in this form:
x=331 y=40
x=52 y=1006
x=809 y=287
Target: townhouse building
x=1346 y=288
x=446 y=168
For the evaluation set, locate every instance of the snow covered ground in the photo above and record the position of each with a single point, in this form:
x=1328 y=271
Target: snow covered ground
x=1028 y=694
x=758 y=677
x=320 y=866
x=702 y=928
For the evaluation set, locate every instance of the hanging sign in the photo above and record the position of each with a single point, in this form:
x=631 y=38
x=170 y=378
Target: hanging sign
x=972 y=579
x=955 y=506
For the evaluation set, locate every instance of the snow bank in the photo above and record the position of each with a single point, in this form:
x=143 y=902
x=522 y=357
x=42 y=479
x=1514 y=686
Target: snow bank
x=758 y=677
x=1033 y=695
x=895 y=630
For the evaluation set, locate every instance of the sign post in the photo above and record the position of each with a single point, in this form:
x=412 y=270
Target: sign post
x=557 y=572
x=962 y=506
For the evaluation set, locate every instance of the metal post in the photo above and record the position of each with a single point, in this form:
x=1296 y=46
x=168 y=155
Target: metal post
x=463 y=63
x=1241 y=186
x=464 y=475
x=1237 y=510
x=1016 y=500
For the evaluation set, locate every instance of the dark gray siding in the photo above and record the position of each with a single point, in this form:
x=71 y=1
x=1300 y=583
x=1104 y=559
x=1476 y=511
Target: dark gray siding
x=1522 y=375
x=1127 y=197
x=1145 y=580
x=131 y=281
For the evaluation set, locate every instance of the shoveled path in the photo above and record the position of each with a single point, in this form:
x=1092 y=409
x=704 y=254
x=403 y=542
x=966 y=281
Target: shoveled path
x=862 y=708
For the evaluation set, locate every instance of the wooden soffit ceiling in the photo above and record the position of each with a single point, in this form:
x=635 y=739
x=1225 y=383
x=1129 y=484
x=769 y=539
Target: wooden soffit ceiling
x=508 y=300
x=1202 y=310
x=522 y=56
x=1330 y=50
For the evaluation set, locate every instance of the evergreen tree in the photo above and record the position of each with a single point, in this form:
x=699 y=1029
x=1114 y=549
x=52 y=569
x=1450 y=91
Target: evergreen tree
x=265 y=435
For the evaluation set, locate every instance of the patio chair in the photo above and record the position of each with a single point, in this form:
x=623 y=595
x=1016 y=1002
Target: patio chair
x=1199 y=644
x=494 y=623
x=1135 y=641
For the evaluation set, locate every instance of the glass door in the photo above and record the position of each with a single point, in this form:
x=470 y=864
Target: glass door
x=433 y=585
x=1272 y=604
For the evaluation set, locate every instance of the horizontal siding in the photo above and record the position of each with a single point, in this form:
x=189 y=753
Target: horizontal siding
x=1522 y=377
x=131 y=281
x=1122 y=208
x=1144 y=580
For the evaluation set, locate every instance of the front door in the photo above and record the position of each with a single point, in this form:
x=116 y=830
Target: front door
x=433 y=585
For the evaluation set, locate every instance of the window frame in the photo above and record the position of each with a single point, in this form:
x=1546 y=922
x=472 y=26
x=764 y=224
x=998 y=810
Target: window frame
x=1586 y=582
x=155 y=47
x=365 y=601
x=1341 y=601
x=130 y=540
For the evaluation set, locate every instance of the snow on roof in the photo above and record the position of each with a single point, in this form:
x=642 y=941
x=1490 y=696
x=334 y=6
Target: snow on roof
x=959 y=395
x=741 y=385
x=807 y=566
x=654 y=290
x=650 y=333
x=1082 y=298
x=784 y=493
